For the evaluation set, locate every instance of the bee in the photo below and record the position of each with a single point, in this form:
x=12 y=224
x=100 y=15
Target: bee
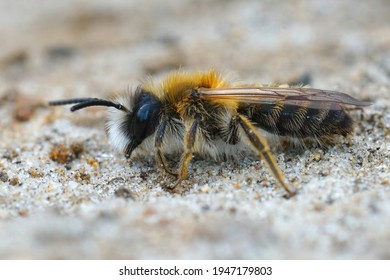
x=202 y=113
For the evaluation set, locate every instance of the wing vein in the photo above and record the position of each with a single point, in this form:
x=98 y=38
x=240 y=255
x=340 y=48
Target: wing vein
x=309 y=97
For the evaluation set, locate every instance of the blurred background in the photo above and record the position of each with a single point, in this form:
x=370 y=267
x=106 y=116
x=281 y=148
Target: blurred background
x=98 y=205
x=98 y=46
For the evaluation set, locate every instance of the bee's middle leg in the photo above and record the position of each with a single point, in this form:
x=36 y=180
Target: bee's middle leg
x=189 y=142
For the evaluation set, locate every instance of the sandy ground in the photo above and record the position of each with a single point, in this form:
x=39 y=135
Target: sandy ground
x=94 y=204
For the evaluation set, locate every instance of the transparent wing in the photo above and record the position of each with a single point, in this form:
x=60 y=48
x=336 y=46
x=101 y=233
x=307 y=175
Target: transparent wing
x=308 y=97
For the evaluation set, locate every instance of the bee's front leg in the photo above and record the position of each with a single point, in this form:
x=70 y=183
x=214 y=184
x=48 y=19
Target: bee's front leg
x=158 y=141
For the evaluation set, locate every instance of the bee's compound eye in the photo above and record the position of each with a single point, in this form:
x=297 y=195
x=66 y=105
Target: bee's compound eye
x=145 y=117
x=146 y=110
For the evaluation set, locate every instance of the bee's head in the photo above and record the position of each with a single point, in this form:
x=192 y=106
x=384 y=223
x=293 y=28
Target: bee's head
x=132 y=118
x=128 y=128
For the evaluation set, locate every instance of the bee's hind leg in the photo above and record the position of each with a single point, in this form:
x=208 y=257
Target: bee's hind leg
x=261 y=145
x=160 y=157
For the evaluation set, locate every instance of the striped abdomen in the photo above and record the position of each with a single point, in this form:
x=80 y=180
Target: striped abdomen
x=300 y=121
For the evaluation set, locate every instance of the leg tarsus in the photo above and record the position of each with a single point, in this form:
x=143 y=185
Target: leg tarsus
x=177 y=184
x=162 y=161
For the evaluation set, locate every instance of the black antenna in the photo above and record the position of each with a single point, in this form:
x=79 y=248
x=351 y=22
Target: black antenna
x=82 y=103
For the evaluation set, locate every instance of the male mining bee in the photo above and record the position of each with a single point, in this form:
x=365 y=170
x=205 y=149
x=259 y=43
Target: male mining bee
x=202 y=113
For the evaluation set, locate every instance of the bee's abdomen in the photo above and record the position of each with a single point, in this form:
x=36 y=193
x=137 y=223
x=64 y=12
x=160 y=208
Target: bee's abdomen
x=300 y=121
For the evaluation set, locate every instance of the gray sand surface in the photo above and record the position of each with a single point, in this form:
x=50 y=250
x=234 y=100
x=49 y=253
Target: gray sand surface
x=99 y=205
